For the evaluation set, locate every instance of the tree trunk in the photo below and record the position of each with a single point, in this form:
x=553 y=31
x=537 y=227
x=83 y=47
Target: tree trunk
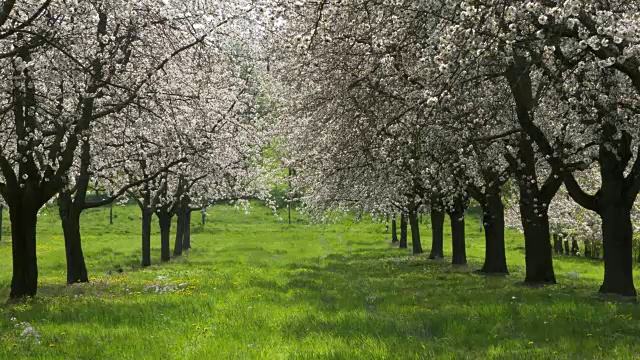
x=587 y=249
x=394 y=230
x=533 y=206
x=186 y=240
x=459 y=256
x=403 y=231
x=617 y=233
x=177 y=247
x=204 y=215
x=164 y=220
x=557 y=244
x=24 y=217
x=495 y=259
x=1 y=211
x=111 y=214
x=575 y=249
x=415 y=232
x=437 y=234
x=537 y=242
x=146 y=236
x=70 y=218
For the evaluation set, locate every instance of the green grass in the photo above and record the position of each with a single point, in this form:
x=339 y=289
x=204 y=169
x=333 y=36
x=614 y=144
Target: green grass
x=257 y=288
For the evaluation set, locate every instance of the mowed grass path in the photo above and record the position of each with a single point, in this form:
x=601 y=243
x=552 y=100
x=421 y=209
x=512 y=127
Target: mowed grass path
x=254 y=287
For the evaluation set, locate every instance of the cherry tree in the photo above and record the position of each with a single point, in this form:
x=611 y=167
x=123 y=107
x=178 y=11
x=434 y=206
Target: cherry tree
x=92 y=62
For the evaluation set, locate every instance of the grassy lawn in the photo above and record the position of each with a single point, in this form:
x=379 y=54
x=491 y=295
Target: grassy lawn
x=254 y=287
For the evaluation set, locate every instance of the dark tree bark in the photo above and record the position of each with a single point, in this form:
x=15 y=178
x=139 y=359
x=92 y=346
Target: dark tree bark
x=437 y=234
x=492 y=217
x=557 y=244
x=596 y=251
x=177 y=247
x=70 y=208
x=394 y=230
x=534 y=206
x=617 y=234
x=149 y=205
x=37 y=180
x=495 y=259
x=1 y=211
x=204 y=215
x=23 y=190
x=534 y=200
x=456 y=216
x=403 y=231
x=186 y=240
x=24 y=216
x=613 y=202
x=537 y=242
x=617 y=193
x=164 y=220
x=111 y=214
x=147 y=216
x=70 y=218
x=587 y=249
x=415 y=232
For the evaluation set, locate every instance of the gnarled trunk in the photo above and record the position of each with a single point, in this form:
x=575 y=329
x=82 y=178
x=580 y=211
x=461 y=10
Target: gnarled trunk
x=24 y=216
x=617 y=233
x=164 y=220
x=437 y=234
x=146 y=236
x=537 y=242
x=533 y=206
x=70 y=218
x=403 y=231
x=415 y=232
x=495 y=259
x=614 y=208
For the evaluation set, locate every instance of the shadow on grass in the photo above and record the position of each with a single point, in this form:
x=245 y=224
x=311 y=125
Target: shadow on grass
x=399 y=300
